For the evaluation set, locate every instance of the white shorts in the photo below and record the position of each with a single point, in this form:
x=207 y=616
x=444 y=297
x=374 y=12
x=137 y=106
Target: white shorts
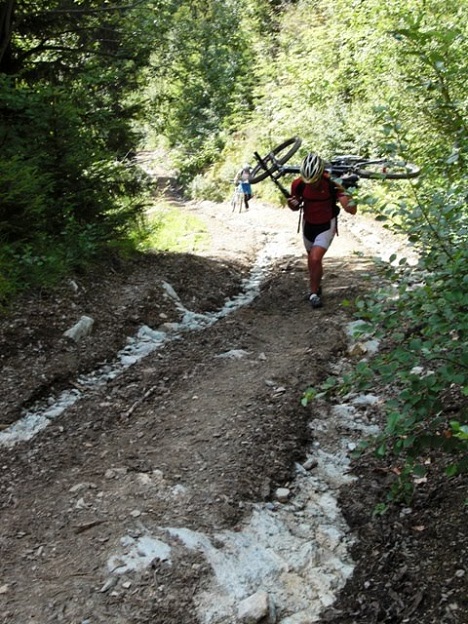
x=322 y=239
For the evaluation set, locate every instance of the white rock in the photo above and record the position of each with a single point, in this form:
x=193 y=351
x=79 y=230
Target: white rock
x=109 y=584
x=365 y=400
x=80 y=329
x=282 y=495
x=343 y=411
x=254 y=608
x=82 y=486
x=310 y=463
x=372 y=346
x=233 y=354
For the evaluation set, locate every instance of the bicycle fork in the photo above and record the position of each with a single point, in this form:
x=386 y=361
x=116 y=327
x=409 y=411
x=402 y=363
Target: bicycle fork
x=280 y=186
x=275 y=180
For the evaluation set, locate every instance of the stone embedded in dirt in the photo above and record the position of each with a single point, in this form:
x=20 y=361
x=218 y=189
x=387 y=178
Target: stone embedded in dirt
x=109 y=584
x=115 y=473
x=233 y=354
x=310 y=463
x=256 y=608
x=81 y=329
x=357 y=350
x=282 y=495
x=74 y=286
x=366 y=400
x=82 y=486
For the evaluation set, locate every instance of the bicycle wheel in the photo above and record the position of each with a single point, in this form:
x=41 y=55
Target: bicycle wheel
x=383 y=169
x=278 y=156
x=237 y=201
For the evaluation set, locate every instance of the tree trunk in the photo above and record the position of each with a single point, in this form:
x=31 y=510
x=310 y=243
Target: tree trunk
x=6 y=19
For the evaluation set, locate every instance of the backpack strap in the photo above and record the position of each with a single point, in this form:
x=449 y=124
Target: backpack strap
x=300 y=188
x=334 y=194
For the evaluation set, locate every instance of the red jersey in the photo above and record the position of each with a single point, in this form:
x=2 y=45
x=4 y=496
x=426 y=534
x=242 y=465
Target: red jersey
x=319 y=199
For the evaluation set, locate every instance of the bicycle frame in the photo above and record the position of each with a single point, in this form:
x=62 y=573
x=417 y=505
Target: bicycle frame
x=351 y=168
x=346 y=168
x=272 y=175
x=280 y=186
x=237 y=199
x=343 y=173
x=337 y=168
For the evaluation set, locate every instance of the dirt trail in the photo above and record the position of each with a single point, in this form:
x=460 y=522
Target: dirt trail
x=136 y=503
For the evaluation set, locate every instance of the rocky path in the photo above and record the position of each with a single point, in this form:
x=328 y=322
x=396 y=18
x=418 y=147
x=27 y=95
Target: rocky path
x=191 y=485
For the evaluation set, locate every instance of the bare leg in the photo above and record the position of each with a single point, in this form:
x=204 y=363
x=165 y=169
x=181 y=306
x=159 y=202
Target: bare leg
x=314 y=264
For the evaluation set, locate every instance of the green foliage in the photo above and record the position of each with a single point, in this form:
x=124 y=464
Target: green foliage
x=65 y=127
x=199 y=82
x=425 y=364
x=46 y=259
x=326 y=388
x=458 y=430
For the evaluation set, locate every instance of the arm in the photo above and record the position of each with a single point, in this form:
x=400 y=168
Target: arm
x=347 y=202
x=346 y=199
x=294 y=201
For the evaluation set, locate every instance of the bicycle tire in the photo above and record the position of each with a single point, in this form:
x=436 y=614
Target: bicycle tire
x=274 y=158
x=383 y=169
x=237 y=201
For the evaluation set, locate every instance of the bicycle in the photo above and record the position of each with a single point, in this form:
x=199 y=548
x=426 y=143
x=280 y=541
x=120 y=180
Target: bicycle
x=347 y=168
x=237 y=199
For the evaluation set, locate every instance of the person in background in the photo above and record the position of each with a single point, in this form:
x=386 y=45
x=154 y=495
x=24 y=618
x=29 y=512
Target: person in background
x=243 y=179
x=318 y=195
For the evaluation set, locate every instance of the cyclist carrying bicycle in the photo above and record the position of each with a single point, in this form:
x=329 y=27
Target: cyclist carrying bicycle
x=243 y=179
x=318 y=196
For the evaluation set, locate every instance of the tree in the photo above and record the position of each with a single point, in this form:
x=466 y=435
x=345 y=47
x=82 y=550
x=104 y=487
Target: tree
x=200 y=78
x=67 y=71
